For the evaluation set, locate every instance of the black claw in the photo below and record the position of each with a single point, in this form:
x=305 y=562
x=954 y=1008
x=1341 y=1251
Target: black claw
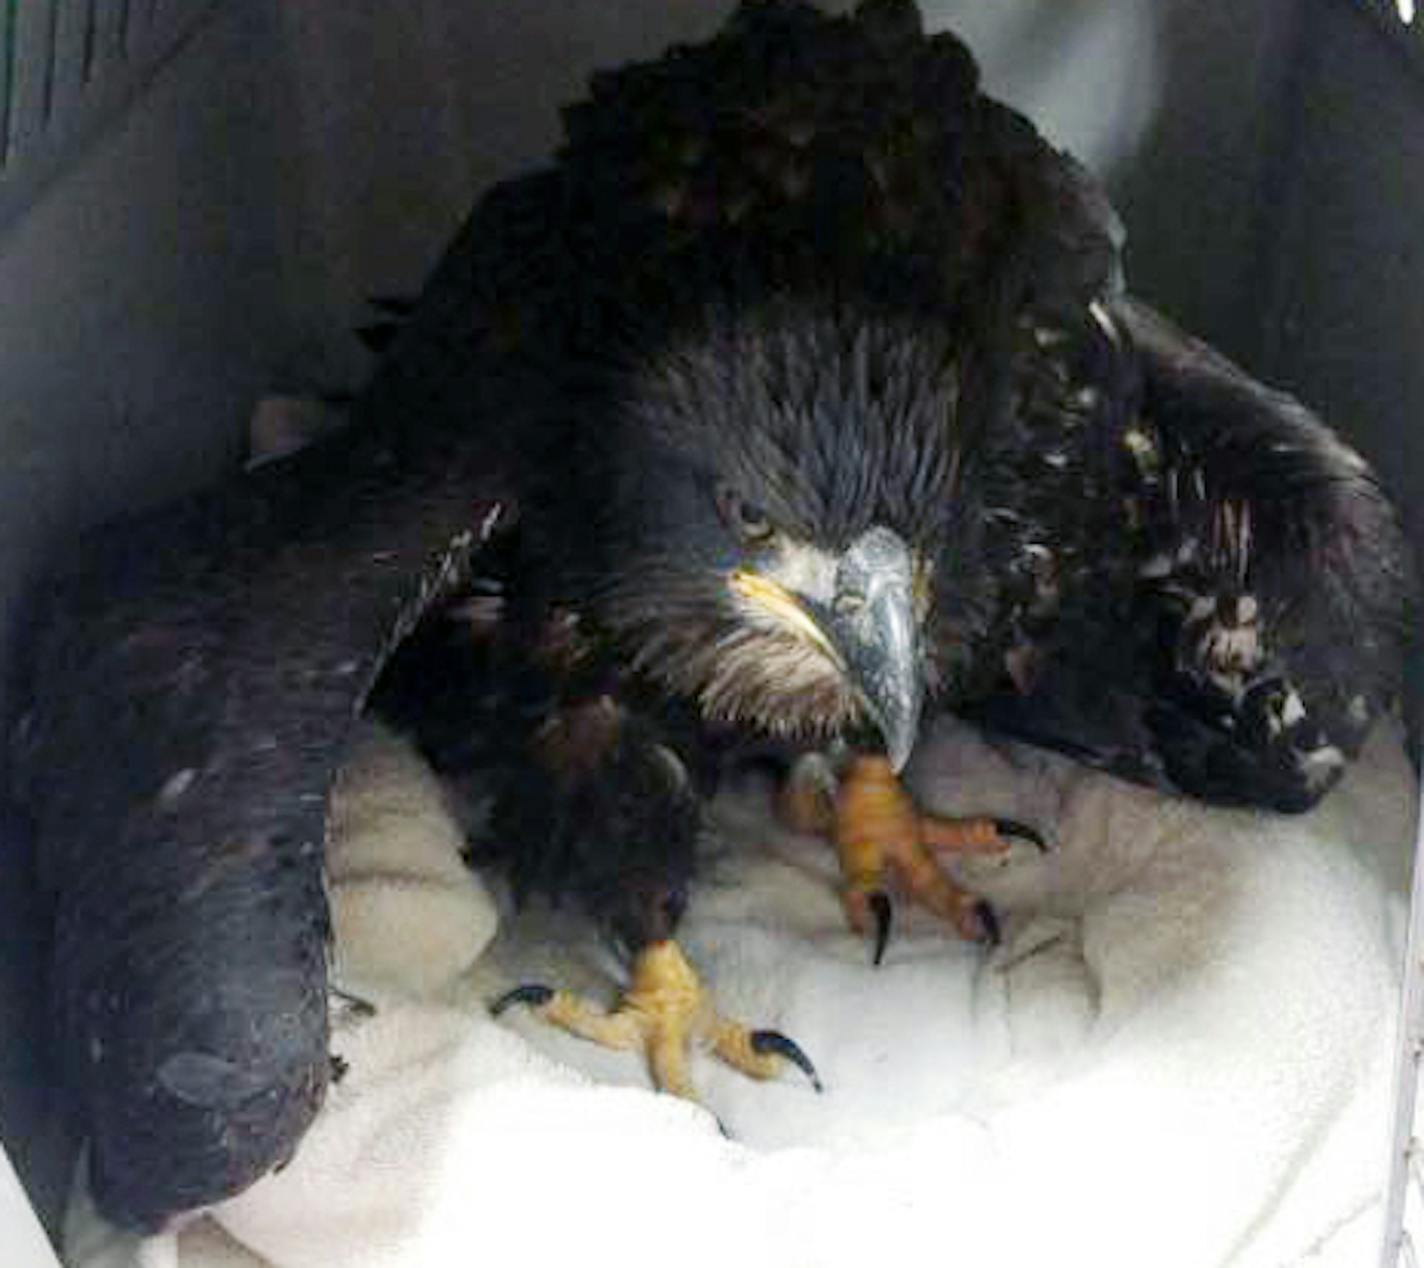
x=359 y=1007
x=532 y=994
x=1013 y=828
x=989 y=921
x=764 y=1041
x=882 y=911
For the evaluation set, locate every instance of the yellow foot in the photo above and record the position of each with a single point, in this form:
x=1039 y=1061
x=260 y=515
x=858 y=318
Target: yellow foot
x=881 y=837
x=664 y=1011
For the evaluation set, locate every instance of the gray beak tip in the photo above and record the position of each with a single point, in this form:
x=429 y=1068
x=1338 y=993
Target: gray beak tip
x=878 y=636
x=899 y=737
x=899 y=758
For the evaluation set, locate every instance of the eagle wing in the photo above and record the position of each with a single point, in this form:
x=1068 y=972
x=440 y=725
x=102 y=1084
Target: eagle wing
x=1246 y=621
x=194 y=676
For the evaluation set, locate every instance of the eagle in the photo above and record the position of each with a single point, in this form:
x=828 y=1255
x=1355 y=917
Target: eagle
x=798 y=397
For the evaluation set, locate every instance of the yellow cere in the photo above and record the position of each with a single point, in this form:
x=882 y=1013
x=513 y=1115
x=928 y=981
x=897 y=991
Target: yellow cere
x=779 y=603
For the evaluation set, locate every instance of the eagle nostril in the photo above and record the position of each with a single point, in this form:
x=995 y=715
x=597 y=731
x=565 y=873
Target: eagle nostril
x=849 y=604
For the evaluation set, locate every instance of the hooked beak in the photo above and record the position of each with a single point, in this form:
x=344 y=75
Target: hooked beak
x=868 y=629
x=872 y=624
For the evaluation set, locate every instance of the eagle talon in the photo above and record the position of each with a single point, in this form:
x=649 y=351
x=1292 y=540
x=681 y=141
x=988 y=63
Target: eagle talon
x=534 y=994
x=881 y=909
x=989 y=921
x=773 y=1042
x=355 y=1006
x=881 y=837
x=1013 y=828
x=868 y=910
x=664 y=1011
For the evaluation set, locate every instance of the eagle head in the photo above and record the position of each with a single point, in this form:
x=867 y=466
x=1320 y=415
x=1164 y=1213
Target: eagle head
x=788 y=542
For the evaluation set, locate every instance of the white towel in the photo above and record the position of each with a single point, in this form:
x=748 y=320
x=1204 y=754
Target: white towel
x=1179 y=1057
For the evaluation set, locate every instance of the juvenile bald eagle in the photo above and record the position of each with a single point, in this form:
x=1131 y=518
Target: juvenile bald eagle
x=805 y=383
x=830 y=408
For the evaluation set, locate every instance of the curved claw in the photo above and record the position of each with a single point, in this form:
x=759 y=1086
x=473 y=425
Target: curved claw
x=1013 y=828
x=355 y=1005
x=533 y=994
x=880 y=908
x=989 y=921
x=773 y=1041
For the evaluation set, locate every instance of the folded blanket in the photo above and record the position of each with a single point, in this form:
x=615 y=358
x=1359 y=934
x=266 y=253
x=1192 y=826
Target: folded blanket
x=1179 y=1056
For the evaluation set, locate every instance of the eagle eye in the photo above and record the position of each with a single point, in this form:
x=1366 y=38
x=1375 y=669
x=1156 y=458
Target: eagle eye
x=747 y=520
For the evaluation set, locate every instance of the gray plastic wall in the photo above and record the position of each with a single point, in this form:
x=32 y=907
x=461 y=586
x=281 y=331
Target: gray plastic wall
x=216 y=242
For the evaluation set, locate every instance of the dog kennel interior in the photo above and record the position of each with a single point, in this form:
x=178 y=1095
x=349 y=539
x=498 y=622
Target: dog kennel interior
x=198 y=199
